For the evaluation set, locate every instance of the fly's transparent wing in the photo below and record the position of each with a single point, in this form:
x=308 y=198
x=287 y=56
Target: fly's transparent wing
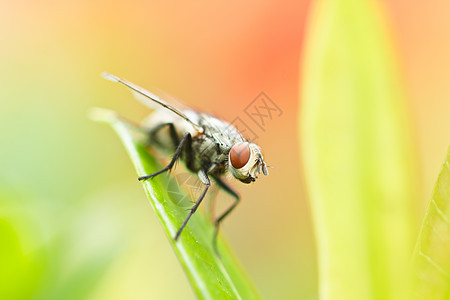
x=143 y=96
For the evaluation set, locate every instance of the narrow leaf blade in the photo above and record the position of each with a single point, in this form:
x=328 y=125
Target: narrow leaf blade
x=211 y=277
x=432 y=253
x=357 y=153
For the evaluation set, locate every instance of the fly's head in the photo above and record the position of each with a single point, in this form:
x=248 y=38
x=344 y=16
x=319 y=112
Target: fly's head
x=246 y=162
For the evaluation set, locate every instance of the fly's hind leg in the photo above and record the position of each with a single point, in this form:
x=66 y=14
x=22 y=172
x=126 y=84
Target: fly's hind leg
x=184 y=143
x=235 y=195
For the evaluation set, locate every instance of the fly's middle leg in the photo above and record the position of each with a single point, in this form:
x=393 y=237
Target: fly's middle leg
x=184 y=143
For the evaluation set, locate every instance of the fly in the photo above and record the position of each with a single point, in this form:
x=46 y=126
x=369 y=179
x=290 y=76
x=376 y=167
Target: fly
x=209 y=147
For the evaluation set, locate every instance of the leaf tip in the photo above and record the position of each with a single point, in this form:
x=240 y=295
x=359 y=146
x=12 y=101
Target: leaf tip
x=98 y=114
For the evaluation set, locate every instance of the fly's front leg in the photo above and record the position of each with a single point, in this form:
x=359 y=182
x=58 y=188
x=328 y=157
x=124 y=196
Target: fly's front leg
x=235 y=195
x=185 y=142
x=204 y=178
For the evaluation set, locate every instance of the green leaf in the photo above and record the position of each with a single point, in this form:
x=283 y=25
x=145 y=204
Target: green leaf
x=432 y=253
x=212 y=277
x=358 y=153
x=19 y=273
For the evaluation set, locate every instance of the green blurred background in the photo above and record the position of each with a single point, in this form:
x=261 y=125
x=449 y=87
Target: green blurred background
x=74 y=221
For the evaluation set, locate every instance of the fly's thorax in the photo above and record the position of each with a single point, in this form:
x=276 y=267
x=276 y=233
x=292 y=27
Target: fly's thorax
x=246 y=162
x=206 y=152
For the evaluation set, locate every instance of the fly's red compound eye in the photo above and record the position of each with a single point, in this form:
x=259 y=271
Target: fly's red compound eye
x=239 y=155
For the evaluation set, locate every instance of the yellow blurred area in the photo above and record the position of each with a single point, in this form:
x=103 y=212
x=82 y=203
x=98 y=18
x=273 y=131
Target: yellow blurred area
x=68 y=194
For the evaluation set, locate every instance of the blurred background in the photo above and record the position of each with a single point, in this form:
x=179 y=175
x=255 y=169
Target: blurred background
x=74 y=221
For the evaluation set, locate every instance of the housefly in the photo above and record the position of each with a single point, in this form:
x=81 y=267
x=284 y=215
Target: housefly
x=210 y=148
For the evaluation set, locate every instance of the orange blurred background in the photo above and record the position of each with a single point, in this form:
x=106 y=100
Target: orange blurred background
x=63 y=169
